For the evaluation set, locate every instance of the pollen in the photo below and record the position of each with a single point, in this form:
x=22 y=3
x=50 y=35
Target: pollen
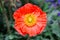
x=30 y=20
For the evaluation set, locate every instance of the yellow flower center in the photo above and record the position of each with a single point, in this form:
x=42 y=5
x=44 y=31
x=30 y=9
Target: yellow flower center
x=30 y=19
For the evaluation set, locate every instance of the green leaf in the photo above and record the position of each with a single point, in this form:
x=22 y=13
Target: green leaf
x=38 y=38
x=0 y=9
x=45 y=39
x=56 y=28
x=45 y=6
x=49 y=10
x=11 y=36
x=51 y=14
x=36 y=1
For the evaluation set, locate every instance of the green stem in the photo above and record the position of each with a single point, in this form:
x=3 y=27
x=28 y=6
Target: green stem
x=28 y=38
x=26 y=1
x=5 y=16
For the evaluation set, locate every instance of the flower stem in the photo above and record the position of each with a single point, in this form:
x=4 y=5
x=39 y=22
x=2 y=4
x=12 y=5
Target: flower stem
x=5 y=16
x=26 y=1
x=28 y=38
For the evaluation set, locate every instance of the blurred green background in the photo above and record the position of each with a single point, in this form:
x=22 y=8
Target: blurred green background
x=52 y=9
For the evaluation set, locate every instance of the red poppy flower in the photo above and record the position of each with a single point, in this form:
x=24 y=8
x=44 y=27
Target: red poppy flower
x=29 y=19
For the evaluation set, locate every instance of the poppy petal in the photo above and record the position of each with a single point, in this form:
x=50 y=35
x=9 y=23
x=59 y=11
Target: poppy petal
x=20 y=25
